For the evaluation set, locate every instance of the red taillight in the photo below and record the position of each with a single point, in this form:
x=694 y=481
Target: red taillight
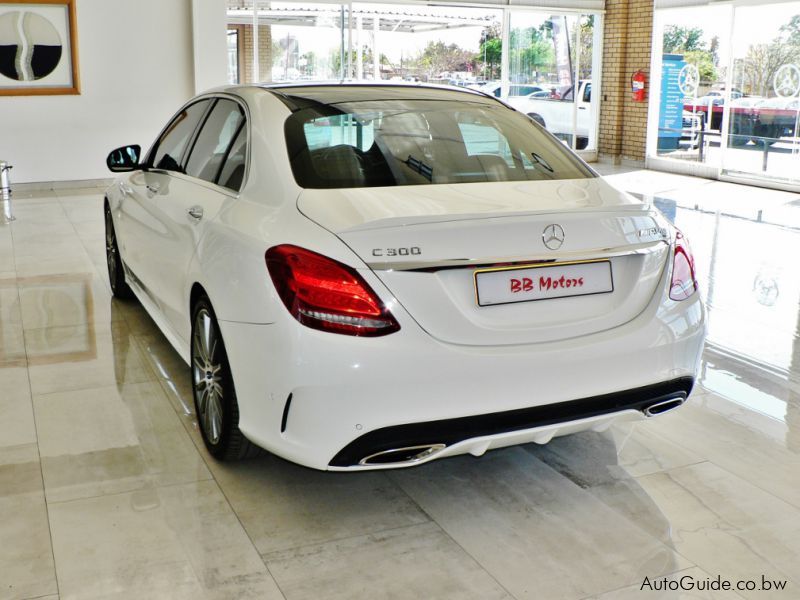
x=683 y=283
x=325 y=294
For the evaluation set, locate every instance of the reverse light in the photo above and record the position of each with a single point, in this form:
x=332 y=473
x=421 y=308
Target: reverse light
x=683 y=283
x=324 y=294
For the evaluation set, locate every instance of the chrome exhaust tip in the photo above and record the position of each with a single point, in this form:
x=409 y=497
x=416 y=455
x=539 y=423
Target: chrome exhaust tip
x=402 y=456
x=664 y=406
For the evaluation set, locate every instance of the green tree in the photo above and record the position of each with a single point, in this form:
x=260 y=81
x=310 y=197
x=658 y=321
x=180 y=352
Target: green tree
x=585 y=45
x=702 y=59
x=530 y=50
x=791 y=31
x=757 y=70
x=438 y=57
x=678 y=40
x=689 y=42
x=490 y=53
x=713 y=49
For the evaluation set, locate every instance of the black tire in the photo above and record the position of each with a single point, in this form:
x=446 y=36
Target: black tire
x=214 y=394
x=116 y=275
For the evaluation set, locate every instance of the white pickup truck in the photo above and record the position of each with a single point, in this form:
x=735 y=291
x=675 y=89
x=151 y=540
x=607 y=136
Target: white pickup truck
x=555 y=113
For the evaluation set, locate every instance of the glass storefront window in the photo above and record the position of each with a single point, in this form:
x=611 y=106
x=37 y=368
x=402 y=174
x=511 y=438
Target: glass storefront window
x=435 y=44
x=729 y=89
x=233 y=56
x=548 y=67
x=694 y=54
x=550 y=72
x=295 y=41
x=763 y=124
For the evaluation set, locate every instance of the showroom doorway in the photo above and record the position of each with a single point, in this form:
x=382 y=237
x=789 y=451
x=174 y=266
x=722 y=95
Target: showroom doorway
x=725 y=99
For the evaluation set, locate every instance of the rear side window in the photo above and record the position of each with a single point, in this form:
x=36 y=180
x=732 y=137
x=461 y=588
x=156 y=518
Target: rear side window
x=420 y=142
x=215 y=140
x=233 y=170
x=172 y=143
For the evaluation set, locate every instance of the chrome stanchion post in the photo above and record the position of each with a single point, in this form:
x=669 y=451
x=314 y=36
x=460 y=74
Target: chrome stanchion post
x=5 y=190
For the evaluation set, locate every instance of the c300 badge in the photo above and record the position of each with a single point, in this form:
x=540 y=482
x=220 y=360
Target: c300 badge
x=406 y=251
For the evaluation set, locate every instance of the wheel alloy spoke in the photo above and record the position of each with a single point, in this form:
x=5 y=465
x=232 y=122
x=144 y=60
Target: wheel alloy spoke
x=214 y=416
x=208 y=418
x=199 y=365
x=207 y=376
x=200 y=349
x=111 y=249
x=209 y=338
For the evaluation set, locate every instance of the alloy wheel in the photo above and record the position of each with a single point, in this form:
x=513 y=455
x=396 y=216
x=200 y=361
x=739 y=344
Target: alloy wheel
x=208 y=375
x=111 y=249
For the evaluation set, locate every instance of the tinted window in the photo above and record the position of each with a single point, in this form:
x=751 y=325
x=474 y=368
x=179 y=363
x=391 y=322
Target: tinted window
x=522 y=90
x=416 y=142
x=172 y=143
x=587 y=93
x=215 y=140
x=233 y=170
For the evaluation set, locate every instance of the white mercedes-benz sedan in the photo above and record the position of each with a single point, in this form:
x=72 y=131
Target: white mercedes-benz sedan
x=367 y=276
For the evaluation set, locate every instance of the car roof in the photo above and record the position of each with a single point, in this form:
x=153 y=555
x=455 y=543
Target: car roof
x=298 y=95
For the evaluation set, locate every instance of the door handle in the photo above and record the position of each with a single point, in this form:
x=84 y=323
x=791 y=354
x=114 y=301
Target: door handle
x=196 y=212
x=153 y=187
x=581 y=108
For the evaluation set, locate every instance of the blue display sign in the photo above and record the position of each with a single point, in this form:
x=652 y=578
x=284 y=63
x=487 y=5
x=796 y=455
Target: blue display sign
x=670 y=118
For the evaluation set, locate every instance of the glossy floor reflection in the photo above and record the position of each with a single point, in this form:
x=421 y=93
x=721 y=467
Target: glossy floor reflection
x=106 y=490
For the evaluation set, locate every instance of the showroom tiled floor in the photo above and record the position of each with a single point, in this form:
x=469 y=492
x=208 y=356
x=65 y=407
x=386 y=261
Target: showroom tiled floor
x=106 y=490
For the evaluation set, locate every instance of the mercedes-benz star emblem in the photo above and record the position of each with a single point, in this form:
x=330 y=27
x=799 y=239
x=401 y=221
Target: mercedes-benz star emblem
x=553 y=236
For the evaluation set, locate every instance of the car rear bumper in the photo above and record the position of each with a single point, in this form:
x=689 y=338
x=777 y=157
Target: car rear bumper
x=310 y=396
x=475 y=434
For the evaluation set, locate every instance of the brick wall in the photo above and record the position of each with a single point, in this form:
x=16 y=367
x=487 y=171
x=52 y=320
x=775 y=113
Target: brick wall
x=626 y=49
x=246 y=53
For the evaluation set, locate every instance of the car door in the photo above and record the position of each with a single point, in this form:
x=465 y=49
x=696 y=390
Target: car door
x=140 y=221
x=212 y=173
x=585 y=110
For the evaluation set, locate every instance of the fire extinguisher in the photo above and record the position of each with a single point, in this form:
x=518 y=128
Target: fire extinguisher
x=638 y=80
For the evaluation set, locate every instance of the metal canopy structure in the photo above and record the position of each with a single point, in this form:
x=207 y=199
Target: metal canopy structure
x=391 y=21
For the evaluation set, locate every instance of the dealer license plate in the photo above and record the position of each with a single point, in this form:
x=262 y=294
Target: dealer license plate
x=506 y=285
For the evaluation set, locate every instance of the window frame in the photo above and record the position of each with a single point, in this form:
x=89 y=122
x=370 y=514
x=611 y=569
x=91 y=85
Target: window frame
x=196 y=136
x=211 y=98
x=190 y=141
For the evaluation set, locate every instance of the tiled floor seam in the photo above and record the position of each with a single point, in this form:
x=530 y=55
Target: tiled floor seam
x=85 y=248
x=36 y=429
x=349 y=537
x=451 y=538
x=228 y=502
x=132 y=491
x=86 y=389
x=755 y=484
x=186 y=428
x=734 y=475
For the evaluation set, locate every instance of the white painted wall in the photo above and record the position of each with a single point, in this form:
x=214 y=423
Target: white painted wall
x=210 y=46
x=137 y=67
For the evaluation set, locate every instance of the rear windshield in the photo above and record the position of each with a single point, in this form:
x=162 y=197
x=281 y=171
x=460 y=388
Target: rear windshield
x=421 y=142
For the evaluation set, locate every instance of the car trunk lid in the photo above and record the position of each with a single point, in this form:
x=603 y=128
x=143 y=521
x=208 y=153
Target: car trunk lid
x=450 y=254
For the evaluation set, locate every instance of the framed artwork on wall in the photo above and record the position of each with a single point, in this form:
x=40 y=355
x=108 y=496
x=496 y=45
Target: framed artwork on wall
x=38 y=48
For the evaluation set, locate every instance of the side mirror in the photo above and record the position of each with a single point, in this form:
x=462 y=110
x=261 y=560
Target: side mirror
x=124 y=159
